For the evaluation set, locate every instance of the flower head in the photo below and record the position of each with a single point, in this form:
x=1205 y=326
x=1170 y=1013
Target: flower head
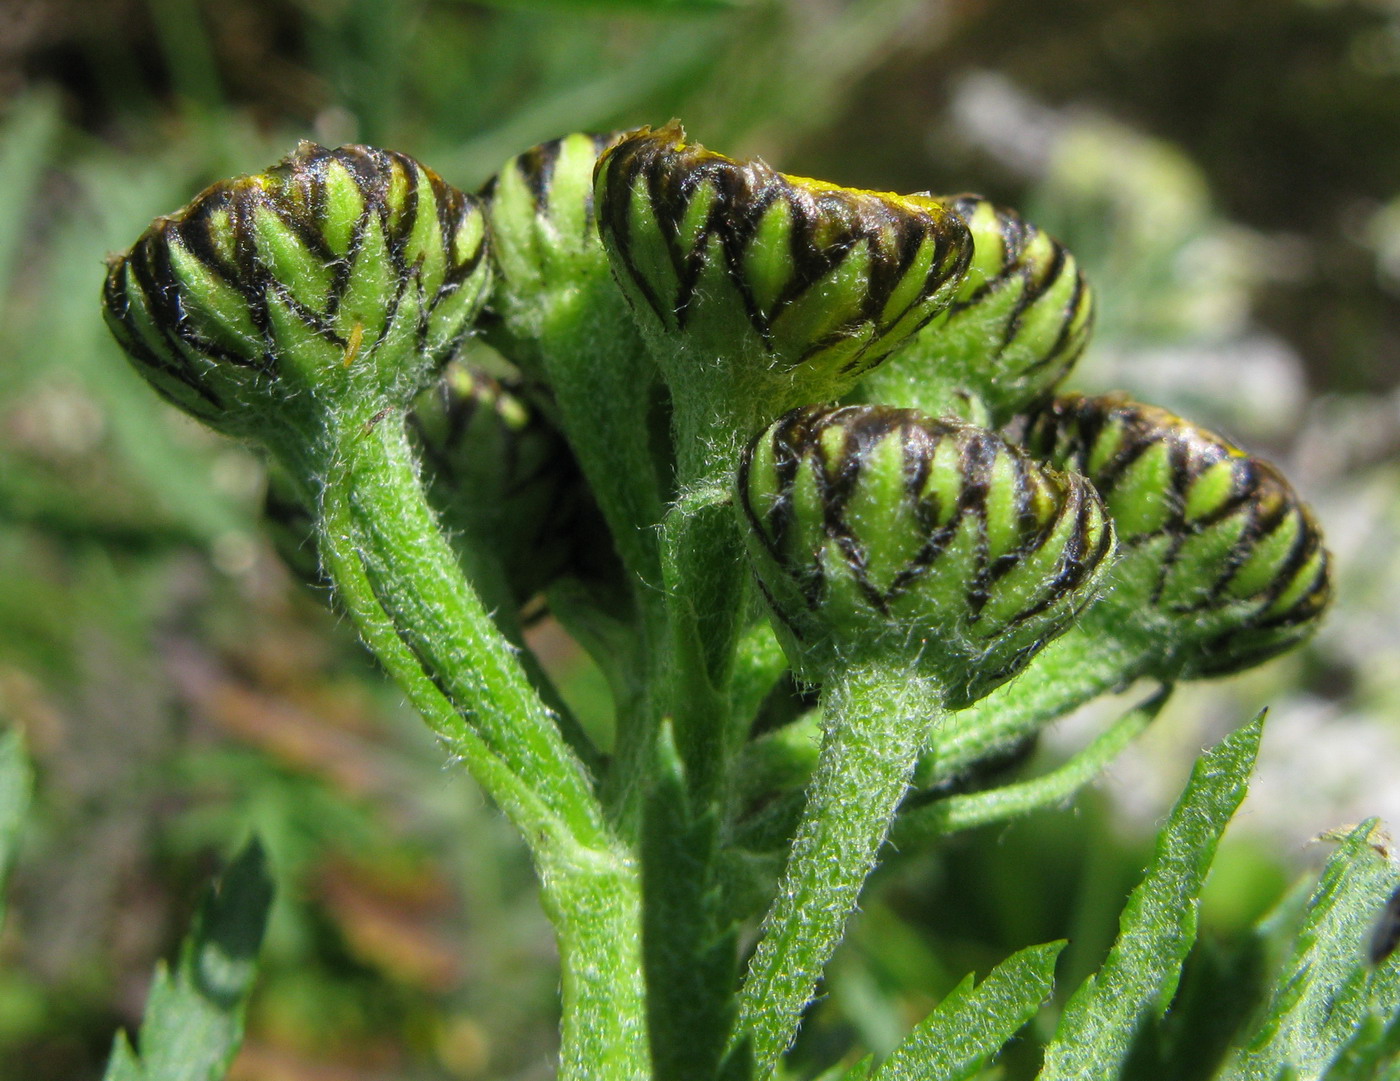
x=1223 y=565
x=882 y=530
x=803 y=283
x=341 y=272
x=1019 y=321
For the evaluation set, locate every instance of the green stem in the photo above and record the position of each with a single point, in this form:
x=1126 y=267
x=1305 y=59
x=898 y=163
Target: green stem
x=596 y=907
x=373 y=510
x=603 y=385
x=1078 y=666
x=691 y=951
x=920 y=825
x=399 y=581
x=875 y=727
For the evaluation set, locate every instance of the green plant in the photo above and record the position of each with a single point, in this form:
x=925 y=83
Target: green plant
x=690 y=326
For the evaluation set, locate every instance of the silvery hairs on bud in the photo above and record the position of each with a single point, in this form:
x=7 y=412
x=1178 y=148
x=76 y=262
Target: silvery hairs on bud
x=1223 y=565
x=353 y=271
x=798 y=285
x=884 y=533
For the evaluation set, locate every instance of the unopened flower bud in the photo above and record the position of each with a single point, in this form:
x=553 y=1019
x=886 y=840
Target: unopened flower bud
x=796 y=287
x=503 y=478
x=1019 y=321
x=880 y=532
x=1223 y=566
x=545 y=246
x=337 y=275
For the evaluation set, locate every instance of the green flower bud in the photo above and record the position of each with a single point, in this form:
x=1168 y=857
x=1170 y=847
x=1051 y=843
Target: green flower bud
x=545 y=247
x=503 y=479
x=883 y=533
x=1222 y=566
x=794 y=287
x=1020 y=320
x=336 y=276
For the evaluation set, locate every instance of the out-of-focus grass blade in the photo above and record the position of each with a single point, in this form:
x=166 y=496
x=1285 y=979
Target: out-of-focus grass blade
x=1158 y=925
x=959 y=1038
x=24 y=152
x=1328 y=993
x=194 y=1017
x=639 y=7
x=16 y=780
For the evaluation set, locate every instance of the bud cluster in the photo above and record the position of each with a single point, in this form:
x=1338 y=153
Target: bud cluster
x=341 y=281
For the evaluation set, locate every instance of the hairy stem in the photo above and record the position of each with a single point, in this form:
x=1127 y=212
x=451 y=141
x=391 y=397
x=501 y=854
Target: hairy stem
x=876 y=722
x=398 y=580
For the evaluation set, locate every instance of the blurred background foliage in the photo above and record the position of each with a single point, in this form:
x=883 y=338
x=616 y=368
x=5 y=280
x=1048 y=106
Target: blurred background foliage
x=1229 y=174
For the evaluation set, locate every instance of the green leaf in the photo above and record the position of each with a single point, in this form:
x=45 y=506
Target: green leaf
x=971 y=1025
x=1328 y=997
x=1158 y=925
x=16 y=780
x=194 y=1018
x=1372 y=1054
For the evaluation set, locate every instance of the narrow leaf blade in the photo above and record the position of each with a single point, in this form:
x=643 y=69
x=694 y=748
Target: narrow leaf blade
x=1328 y=994
x=960 y=1037
x=1158 y=925
x=193 y=1023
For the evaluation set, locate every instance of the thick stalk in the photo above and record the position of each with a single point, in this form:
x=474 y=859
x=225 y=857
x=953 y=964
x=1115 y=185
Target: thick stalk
x=690 y=946
x=876 y=722
x=398 y=580
x=705 y=577
x=592 y=897
x=595 y=904
x=373 y=505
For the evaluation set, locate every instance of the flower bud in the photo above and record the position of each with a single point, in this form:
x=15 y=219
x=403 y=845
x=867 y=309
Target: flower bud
x=337 y=275
x=1223 y=566
x=801 y=284
x=545 y=246
x=880 y=532
x=503 y=479
x=1019 y=321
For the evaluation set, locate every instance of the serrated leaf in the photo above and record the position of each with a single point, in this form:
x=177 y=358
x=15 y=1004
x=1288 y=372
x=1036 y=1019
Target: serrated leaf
x=959 y=1038
x=16 y=779
x=193 y=1023
x=1158 y=925
x=1327 y=992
